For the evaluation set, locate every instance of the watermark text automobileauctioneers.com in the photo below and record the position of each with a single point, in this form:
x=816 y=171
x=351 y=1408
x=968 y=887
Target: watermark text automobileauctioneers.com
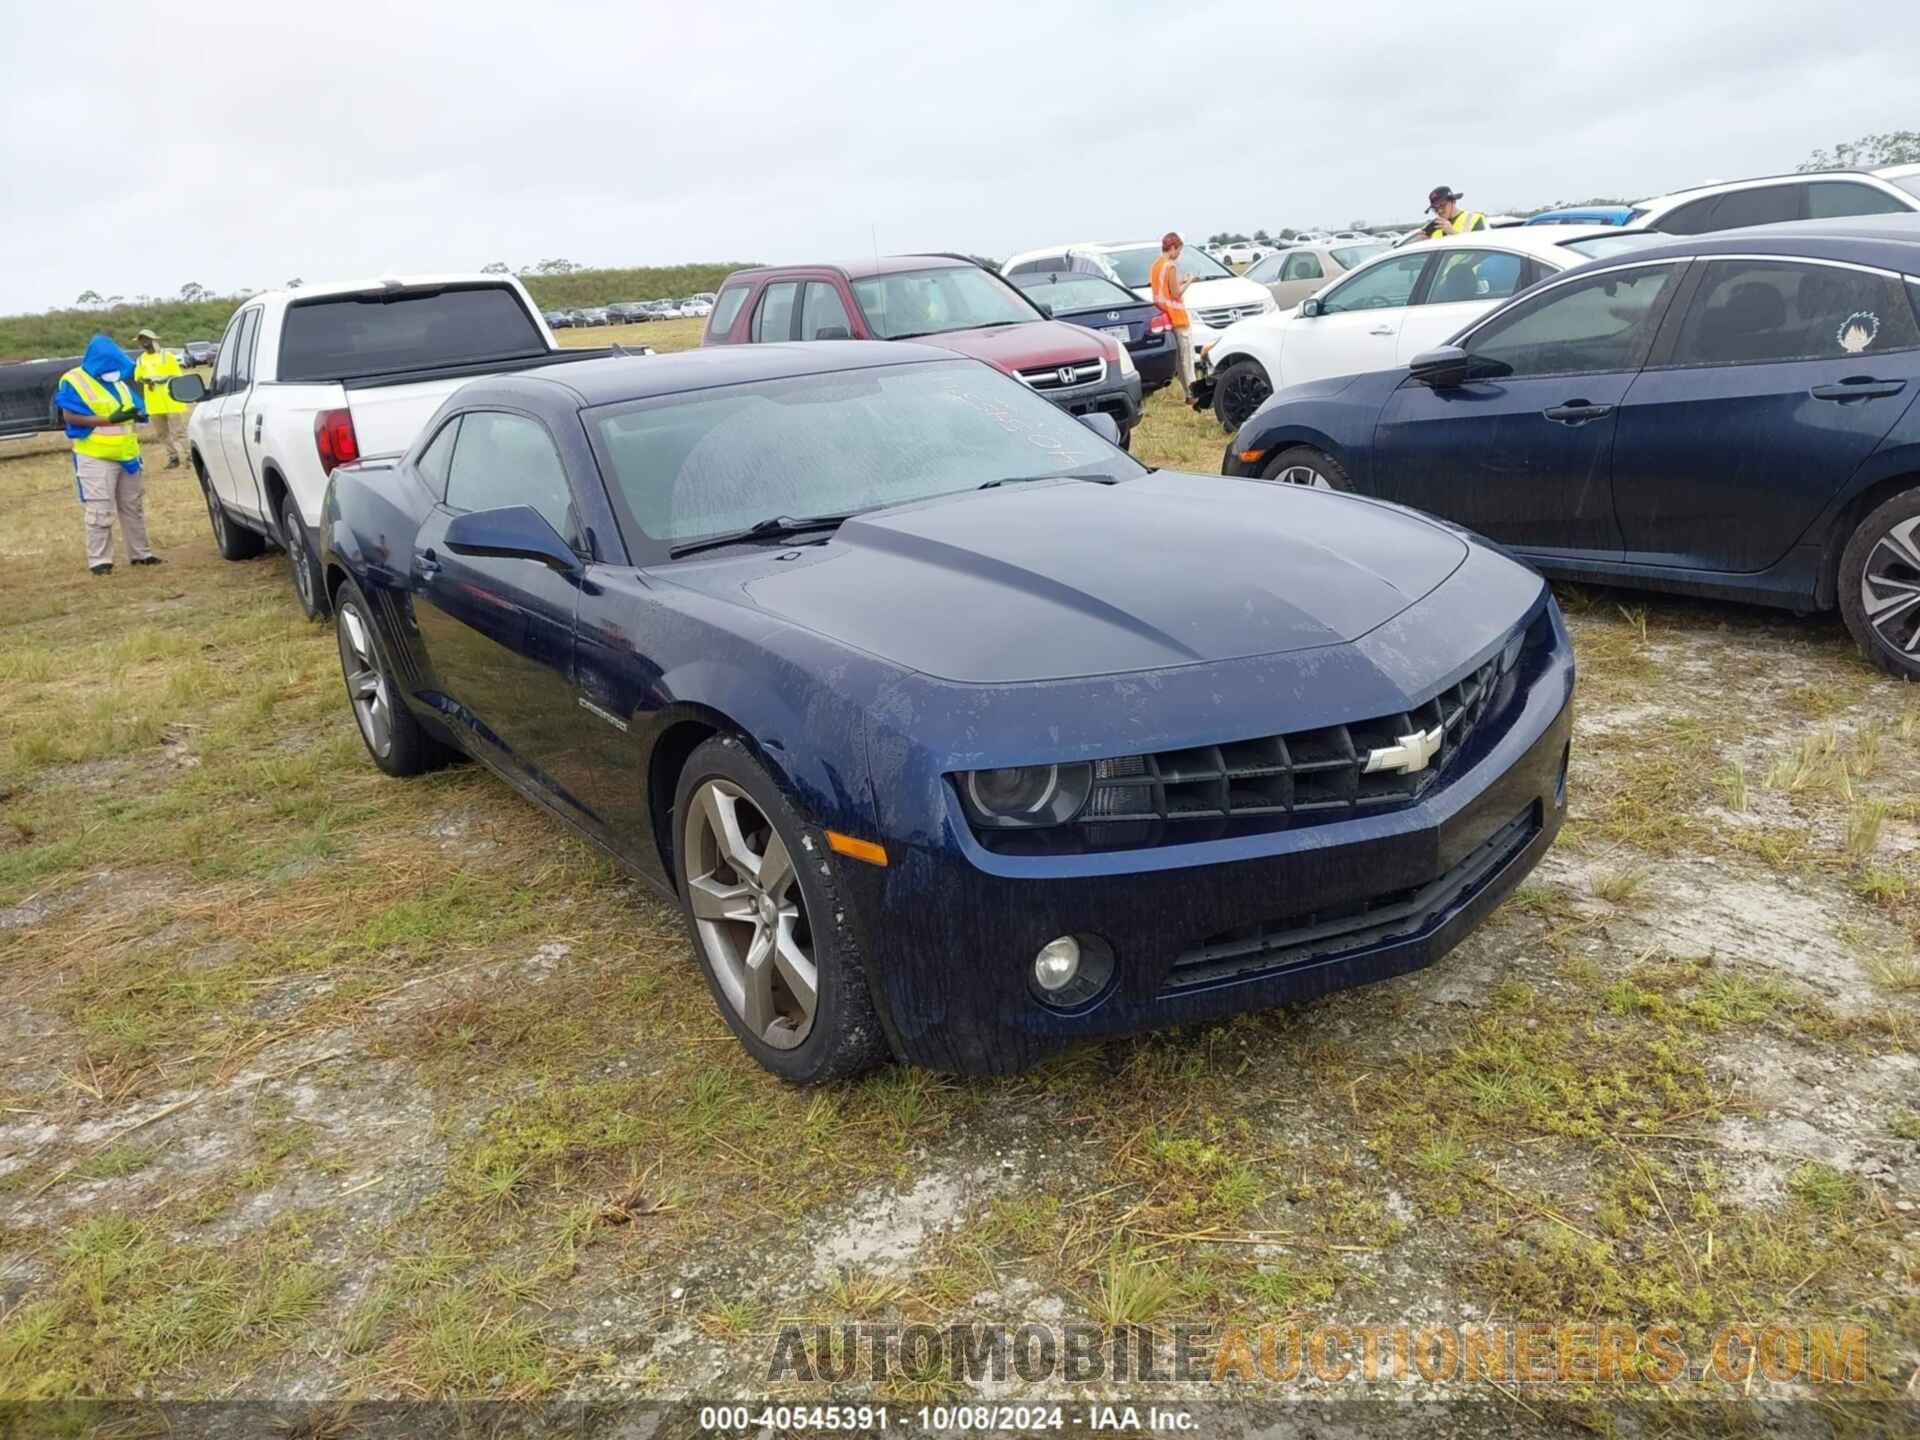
x=1541 y=1354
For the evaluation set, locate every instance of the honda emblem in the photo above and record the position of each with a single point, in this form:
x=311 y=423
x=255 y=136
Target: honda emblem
x=1066 y=374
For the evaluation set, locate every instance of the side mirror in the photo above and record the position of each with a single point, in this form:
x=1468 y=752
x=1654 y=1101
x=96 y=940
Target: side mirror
x=513 y=532
x=187 y=388
x=1103 y=425
x=1310 y=308
x=833 y=332
x=1443 y=369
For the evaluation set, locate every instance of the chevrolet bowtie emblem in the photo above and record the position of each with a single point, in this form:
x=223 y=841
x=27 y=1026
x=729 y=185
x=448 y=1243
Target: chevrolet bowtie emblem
x=1409 y=754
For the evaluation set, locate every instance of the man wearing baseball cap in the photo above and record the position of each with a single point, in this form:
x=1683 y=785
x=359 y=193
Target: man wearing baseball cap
x=151 y=372
x=1448 y=217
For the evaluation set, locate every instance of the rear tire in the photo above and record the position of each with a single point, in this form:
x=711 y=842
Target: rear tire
x=732 y=826
x=309 y=587
x=1307 y=467
x=392 y=736
x=1239 y=388
x=1879 y=585
x=233 y=541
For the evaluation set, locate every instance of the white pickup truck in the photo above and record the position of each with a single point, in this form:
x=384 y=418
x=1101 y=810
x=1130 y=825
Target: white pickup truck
x=310 y=379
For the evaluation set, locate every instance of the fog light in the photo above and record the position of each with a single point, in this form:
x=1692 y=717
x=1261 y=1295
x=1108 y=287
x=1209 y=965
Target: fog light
x=1056 y=964
x=1072 y=972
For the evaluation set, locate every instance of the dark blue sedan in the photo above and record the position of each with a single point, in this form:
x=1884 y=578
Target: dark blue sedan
x=956 y=733
x=1733 y=415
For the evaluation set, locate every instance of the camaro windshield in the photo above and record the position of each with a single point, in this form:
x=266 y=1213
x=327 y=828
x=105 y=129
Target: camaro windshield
x=1135 y=266
x=713 y=462
x=927 y=302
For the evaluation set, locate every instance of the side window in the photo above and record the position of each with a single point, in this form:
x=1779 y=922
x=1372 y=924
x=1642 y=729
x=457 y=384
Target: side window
x=1763 y=205
x=243 y=351
x=727 y=309
x=229 y=352
x=1040 y=264
x=437 y=457
x=502 y=459
x=1585 y=327
x=1829 y=198
x=1303 y=265
x=822 y=315
x=1378 y=287
x=1268 y=270
x=1751 y=312
x=774 y=319
x=1693 y=218
x=1475 y=275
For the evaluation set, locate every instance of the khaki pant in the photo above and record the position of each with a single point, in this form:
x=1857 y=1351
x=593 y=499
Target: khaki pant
x=171 y=427
x=1183 y=356
x=107 y=490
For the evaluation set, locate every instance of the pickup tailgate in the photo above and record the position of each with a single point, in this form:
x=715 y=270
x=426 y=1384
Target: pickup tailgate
x=386 y=420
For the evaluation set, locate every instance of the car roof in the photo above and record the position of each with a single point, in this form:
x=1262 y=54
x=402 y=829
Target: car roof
x=1714 y=187
x=614 y=378
x=1540 y=241
x=860 y=269
x=380 y=282
x=1888 y=242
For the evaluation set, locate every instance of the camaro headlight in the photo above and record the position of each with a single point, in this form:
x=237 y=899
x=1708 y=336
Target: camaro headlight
x=1026 y=796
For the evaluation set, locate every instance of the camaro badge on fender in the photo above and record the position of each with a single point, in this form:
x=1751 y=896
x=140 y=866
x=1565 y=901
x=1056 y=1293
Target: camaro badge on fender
x=611 y=719
x=1409 y=755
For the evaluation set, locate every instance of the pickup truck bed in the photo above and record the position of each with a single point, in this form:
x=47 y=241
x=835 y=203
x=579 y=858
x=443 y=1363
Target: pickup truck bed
x=310 y=379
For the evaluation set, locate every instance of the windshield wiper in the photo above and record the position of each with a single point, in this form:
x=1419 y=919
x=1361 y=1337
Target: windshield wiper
x=1098 y=477
x=780 y=527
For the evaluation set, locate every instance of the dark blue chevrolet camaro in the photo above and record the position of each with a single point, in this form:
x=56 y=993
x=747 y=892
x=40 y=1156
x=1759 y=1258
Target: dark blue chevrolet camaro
x=1732 y=415
x=956 y=732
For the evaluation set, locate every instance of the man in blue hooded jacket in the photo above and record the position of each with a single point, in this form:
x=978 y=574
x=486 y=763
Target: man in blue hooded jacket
x=100 y=409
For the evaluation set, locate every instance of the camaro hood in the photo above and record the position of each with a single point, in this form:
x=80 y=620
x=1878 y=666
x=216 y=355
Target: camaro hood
x=1067 y=579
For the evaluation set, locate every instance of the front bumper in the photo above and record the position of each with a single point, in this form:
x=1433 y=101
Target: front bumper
x=950 y=936
x=1118 y=396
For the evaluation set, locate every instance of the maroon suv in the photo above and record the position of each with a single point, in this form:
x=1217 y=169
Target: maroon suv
x=941 y=300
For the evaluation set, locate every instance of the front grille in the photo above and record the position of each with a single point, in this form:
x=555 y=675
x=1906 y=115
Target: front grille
x=1225 y=315
x=1318 y=935
x=1065 y=377
x=1305 y=773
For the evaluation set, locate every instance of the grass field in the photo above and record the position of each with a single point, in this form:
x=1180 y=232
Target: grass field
x=317 y=1082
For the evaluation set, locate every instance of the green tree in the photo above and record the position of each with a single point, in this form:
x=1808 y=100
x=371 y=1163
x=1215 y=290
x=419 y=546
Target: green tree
x=1869 y=152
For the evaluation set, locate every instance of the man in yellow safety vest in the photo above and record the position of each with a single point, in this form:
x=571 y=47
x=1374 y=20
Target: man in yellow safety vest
x=1448 y=217
x=155 y=368
x=100 y=409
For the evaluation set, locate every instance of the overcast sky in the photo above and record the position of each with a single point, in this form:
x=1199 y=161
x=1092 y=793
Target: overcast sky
x=238 y=145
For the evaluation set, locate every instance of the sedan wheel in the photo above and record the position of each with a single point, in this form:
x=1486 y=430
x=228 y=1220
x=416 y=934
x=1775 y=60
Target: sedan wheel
x=1308 y=468
x=1890 y=587
x=750 y=915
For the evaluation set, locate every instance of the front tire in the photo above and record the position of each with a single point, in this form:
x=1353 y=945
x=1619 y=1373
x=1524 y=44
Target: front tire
x=1307 y=467
x=234 y=542
x=308 y=585
x=392 y=736
x=1880 y=586
x=1240 y=388
x=764 y=916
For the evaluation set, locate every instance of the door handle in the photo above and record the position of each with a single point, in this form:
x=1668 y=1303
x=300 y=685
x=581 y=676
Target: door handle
x=258 y=420
x=1381 y=330
x=1577 y=412
x=428 y=564
x=1863 y=387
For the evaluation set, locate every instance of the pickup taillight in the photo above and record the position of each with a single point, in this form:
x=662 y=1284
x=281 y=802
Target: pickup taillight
x=1159 y=322
x=333 y=437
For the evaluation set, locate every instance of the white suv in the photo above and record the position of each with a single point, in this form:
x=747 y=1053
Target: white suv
x=1812 y=195
x=1215 y=296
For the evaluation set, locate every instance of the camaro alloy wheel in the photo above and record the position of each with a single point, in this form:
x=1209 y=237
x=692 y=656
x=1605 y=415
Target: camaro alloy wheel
x=1890 y=587
x=750 y=915
x=366 y=682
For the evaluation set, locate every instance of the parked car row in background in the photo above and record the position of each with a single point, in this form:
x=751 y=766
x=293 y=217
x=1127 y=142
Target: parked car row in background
x=630 y=312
